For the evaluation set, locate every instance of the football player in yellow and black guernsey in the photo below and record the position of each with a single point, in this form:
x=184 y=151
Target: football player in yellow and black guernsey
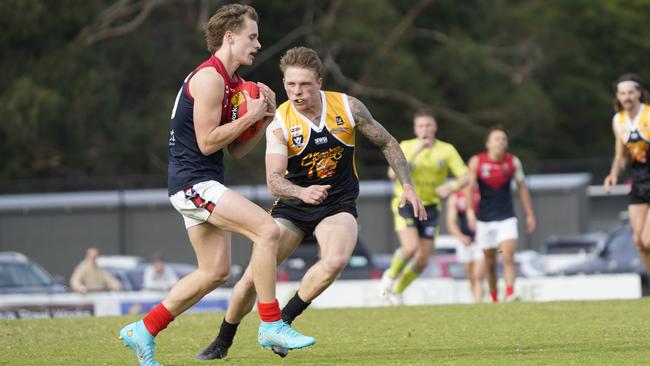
x=310 y=168
x=631 y=126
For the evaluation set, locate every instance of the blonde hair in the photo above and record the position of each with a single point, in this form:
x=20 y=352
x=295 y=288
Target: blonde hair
x=227 y=18
x=302 y=57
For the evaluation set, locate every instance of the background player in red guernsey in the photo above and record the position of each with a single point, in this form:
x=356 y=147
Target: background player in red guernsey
x=495 y=222
x=467 y=251
x=211 y=211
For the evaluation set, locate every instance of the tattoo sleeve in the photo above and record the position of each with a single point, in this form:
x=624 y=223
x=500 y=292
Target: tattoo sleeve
x=378 y=135
x=282 y=187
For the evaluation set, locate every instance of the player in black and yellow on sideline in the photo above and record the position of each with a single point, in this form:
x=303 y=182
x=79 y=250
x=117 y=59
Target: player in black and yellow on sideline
x=310 y=168
x=431 y=161
x=631 y=127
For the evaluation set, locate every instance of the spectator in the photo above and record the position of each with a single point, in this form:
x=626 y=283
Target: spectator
x=158 y=276
x=87 y=276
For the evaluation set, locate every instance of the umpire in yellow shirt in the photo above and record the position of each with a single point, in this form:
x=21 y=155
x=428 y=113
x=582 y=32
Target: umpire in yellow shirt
x=431 y=162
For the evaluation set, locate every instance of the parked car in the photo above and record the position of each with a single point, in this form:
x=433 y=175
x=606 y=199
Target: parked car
x=561 y=252
x=618 y=255
x=446 y=244
x=444 y=266
x=361 y=265
x=529 y=264
x=130 y=270
x=20 y=275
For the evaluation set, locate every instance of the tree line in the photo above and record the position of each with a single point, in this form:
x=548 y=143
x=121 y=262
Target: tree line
x=87 y=86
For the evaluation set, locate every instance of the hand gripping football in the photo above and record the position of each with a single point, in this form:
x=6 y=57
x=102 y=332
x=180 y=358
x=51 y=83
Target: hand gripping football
x=237 y=107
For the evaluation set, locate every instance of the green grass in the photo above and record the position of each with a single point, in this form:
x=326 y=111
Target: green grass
x=557 y=333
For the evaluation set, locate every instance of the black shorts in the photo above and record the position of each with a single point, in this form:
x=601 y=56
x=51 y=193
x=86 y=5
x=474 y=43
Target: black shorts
x=306 y=219
x=426 y=229
x=640 y=193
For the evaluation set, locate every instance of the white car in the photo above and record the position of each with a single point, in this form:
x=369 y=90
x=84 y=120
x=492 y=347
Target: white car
x=559 y=253
x=446 y=244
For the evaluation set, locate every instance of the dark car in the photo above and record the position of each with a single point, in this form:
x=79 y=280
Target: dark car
x=20 y=275
x=618 y=255
x=360 y=266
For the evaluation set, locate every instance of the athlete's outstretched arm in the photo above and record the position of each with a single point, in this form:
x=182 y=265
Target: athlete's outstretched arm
x=276 y=166
x=378 y=135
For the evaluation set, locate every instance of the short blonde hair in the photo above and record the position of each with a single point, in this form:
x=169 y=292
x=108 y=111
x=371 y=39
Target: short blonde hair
x=302 y=57
x=227 y=18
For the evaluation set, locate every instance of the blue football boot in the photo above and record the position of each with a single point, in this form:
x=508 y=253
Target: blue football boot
x=278 y=335
x=142 y=343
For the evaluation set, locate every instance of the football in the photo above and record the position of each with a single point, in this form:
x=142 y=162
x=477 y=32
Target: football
x=237 y=107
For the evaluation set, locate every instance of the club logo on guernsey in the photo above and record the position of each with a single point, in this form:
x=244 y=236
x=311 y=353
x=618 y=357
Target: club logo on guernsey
x=339 y=121
x=297 y=140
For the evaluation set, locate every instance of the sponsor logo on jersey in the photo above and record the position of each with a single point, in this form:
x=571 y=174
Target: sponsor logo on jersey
x=321 y=140
x=485 y=170
x=295 y=130
x=322 y=163
x=172 y=138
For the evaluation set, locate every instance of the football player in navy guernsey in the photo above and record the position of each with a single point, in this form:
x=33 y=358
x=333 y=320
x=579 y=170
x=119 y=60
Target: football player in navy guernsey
x=495 y=222
x=211 y=211
x=310 y=168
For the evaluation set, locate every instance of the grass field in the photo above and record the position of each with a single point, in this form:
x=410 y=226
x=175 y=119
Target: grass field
x=558 y=333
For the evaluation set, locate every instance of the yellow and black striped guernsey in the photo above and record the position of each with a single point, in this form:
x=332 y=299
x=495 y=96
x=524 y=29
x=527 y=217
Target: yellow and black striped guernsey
x=321 y=153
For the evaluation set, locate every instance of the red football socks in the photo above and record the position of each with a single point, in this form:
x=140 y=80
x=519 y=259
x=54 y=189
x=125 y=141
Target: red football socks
x=157 y=319
x=269 y=311
x=493 y=295
x=510 y=290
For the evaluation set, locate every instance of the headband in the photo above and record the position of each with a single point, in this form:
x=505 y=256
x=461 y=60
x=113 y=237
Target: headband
x=631 y=83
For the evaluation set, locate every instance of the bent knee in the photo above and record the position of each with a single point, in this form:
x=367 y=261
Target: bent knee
x=217 y=278
x=268 y=233
x=334 y=264
x=421 y=261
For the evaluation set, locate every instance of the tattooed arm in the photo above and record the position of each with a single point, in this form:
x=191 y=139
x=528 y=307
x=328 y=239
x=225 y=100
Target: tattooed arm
x=378 y=135
x=276 y=165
